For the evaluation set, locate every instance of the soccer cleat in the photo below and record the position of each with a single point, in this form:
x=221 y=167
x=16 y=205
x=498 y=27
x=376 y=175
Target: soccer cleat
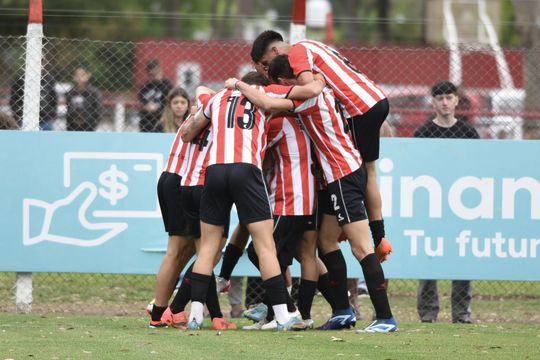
x=272 y=325
x=308 y=323
x=256 y=313
x=257 y=326
x=178 y=321
x=380 y=326
x=295 y=323
x=222 y=324
x=383 y=250
x=344 y=319
x=222 y=285
x=157 y=325
x=194 y=325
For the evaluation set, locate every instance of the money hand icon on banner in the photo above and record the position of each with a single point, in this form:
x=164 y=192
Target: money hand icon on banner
x=113 y=188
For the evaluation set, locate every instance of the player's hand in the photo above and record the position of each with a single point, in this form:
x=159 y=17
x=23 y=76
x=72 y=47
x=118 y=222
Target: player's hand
x=383 y=250
x=230 y=83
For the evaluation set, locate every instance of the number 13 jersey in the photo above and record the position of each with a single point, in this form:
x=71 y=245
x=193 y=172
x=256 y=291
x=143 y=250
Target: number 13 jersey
x=238 y=129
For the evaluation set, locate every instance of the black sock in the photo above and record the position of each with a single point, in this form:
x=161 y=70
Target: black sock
x=305 y=297
x=323 y=284
x=230 y=259
x=337 y=272
x=270 y=313
x=252 y=255
x=275 y=290
x=290 y=302
x=212 y=301
x=377 y=231
x=157 y=311
x=374 y=275
x=199 y=287
x=184 y=293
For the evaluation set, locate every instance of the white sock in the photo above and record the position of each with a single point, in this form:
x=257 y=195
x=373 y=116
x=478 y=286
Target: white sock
x=281 y=313
x=197 y=312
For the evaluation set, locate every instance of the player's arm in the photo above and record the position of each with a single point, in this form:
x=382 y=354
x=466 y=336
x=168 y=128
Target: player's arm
x=197 y=120
x=193 y=125
x=309 y=89
x=202 y=90
x=259 y=98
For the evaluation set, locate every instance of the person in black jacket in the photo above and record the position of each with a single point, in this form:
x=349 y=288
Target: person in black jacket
x=153 y=98
x=445 y=125
x=47 y=105
x=83 y=103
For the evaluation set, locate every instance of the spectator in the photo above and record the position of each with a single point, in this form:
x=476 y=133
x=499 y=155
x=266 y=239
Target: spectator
x=48 y=100
x=83 y=102
x=152 y=97
x=7 y=122
x=176 y=111
x=445 y=125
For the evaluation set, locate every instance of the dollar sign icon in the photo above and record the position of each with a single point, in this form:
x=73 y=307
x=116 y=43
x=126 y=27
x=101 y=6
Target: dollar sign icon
x=113 y=187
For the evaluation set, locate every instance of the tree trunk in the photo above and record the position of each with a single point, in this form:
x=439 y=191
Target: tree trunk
x=383 y=11
x=527 y=15
x=173 y=23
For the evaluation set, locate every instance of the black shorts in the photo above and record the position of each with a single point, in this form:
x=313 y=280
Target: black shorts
x=344 y=198
x=365 y=130
x=240 y=184
x=170 y=201
x=288 y=231
x=311 y=222
x=191 y=201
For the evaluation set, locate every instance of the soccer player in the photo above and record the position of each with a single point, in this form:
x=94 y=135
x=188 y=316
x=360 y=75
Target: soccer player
x=180 y=248
x=343 y=202
x=234 y=176
x=192 y=184
x=364 y=106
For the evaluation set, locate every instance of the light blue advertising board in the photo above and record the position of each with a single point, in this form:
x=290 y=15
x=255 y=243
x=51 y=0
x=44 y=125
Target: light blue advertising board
x=86 y=202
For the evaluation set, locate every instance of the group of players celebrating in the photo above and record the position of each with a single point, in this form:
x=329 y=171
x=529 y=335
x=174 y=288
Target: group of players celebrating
x=293 y=146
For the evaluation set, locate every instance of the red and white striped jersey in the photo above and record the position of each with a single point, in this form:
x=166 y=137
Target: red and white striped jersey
x=178 y=155
x=198 y=151
x=239 y=129
x=333 y=146
x=354 y=90
x=292 y=185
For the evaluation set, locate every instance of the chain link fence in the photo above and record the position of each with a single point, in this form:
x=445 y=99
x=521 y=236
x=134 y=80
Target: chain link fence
x=122 y=86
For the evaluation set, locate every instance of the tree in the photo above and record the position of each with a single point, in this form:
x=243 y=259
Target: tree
x=527 y=15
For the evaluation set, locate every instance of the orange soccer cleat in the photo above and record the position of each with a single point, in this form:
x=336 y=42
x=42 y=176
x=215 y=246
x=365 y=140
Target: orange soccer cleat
x=178 y=321
x=222 y=324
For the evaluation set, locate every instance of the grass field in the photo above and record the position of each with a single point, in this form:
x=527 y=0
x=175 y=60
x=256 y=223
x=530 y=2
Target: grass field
x=101 y=337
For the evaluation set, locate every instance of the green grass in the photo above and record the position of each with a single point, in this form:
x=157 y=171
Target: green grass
x=94 y=337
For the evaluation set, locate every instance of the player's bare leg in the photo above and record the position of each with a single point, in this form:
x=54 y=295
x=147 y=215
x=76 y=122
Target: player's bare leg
x=307 y=256
x=179 y=251
x=359 y=238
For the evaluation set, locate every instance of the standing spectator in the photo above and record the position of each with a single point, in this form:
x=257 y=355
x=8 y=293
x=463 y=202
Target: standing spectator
x=83 y=102
x=153 y=98
x=48 y=99
x=445 y=125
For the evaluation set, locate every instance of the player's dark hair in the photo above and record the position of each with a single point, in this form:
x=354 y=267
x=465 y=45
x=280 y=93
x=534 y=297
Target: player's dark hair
x=280 y=67
x=443 y=87
x=254 y=78
x=261 y=43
